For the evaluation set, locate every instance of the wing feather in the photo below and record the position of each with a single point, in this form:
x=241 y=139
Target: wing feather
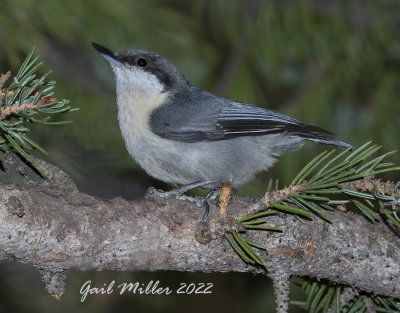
x=202 y=116
x=241 y=118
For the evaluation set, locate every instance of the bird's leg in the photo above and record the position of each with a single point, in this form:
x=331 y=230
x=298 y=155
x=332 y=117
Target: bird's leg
x=156 y=193
x=224 y=198
x=213 y=194
x=179 y=195
x=224 y=194
x=235 y=192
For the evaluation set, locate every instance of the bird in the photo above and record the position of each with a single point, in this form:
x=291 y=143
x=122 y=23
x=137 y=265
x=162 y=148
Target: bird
x=191 y=138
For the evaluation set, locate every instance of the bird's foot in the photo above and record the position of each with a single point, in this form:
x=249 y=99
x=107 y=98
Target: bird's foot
x=213 y=194
x=173 y=194
x=152 y=193
x=178 y=194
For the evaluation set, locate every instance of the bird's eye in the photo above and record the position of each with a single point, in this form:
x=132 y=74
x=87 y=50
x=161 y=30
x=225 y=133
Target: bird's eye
x=141 y=62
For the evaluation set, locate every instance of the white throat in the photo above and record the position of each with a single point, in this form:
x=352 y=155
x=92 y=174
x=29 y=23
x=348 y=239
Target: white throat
x=138 y=94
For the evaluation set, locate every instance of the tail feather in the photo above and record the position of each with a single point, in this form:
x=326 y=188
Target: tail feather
x=325 y=140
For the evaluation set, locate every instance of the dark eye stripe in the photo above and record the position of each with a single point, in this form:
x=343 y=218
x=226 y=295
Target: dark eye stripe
x=128 y=59
x=151 y=67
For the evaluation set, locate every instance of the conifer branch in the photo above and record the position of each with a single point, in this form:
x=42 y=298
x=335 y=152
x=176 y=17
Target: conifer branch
x=346 y=182
x=6 y=111
x=26 y=100
x=314 y=208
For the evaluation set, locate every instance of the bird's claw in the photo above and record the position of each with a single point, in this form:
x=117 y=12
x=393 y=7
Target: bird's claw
x=153 y=193
x=206 y=209
x=178 y=194
x=198 y=201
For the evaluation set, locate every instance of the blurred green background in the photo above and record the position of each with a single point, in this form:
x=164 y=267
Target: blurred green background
x=332 y=63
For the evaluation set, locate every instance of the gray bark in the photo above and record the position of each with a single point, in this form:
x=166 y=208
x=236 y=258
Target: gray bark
x=54 y=227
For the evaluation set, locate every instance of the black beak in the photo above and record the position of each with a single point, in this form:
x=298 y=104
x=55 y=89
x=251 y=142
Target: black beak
x=103 y=50
x=106 y=53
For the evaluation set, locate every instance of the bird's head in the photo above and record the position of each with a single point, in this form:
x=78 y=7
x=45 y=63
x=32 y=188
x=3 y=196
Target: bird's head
x=143 y=70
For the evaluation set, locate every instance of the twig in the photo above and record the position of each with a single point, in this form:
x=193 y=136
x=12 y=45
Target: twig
x=274 y=196
x=14 y=109
x=19 y=107
x=224 y=198
x=369 y=183
x=3 y=79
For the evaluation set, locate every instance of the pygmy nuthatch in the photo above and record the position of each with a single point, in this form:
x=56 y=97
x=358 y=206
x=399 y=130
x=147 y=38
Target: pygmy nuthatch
x=184 y=135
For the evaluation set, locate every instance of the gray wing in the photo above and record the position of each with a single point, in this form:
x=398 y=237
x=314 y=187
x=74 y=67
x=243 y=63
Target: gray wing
x=189 y=117
x=205 y=117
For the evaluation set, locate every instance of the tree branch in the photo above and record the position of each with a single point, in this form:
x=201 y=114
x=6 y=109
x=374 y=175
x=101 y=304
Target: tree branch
x=8 y=110
x=54 y=227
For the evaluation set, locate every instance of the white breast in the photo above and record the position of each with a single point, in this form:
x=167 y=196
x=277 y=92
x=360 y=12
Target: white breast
x=138 y=94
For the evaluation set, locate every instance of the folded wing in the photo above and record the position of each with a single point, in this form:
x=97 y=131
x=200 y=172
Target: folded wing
x=207 y=117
